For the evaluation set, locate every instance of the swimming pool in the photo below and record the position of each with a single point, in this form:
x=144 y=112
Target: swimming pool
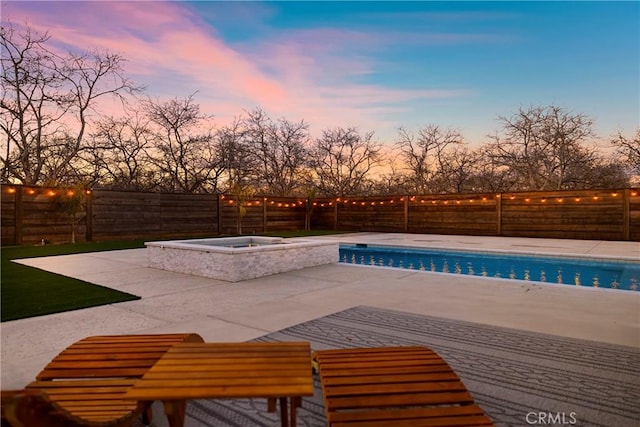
x=587 y=272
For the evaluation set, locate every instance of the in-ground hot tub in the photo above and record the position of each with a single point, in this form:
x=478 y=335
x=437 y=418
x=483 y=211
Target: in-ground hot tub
x=240 y=258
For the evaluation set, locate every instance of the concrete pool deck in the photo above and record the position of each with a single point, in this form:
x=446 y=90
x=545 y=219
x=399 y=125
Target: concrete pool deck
x=223 y=311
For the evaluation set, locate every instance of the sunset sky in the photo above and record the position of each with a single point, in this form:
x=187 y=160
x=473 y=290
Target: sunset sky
x=375 y=65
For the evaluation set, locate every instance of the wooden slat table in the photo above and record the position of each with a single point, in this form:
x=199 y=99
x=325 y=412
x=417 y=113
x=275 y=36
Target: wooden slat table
x=226 y=371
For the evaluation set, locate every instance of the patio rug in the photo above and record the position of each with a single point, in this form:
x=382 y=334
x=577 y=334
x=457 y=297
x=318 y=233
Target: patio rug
x=517 y=377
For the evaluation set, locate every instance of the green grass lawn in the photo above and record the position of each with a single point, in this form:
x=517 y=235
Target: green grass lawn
x=28 y=292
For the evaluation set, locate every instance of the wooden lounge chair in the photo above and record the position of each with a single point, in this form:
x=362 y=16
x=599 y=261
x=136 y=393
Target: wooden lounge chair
x=393 y=386
x=89 y=378
x=33 y=408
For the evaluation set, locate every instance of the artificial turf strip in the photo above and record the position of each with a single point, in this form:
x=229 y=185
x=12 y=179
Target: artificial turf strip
x=28 y=292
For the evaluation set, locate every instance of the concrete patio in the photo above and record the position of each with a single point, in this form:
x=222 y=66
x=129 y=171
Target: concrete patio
x=223 y=311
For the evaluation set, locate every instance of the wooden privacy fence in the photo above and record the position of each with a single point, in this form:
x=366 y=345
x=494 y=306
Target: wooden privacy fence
x=580 y=214
x=29 y=216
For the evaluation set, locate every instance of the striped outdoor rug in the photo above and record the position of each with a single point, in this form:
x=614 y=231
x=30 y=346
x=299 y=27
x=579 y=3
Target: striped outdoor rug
x=516 y=376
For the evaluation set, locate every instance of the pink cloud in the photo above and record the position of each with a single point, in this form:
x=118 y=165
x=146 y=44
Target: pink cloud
x=302 y=74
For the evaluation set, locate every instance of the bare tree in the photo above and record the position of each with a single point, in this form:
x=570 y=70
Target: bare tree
x=458 y=167
x=183 y=151
x=118 y=156
x=281 y=150
x=47 y=104
x=238 y=161
x=424 y=153
x=342 y=161
x=489 y=176
x=545 y=146
x=629 y=148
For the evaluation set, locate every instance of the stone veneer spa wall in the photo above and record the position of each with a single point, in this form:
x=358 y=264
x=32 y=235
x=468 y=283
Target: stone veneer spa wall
x=240 y=258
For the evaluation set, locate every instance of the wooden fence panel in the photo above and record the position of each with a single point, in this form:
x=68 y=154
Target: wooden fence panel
x=8 y=215
x=39 y=219
x=285 y=214
x=252 y=222
x=384 y=214
x=474 y=214
x=634 y=215
x=188 y=215
x=323 y=215
x=264 y=215
x=122 y=215
x=586 y=214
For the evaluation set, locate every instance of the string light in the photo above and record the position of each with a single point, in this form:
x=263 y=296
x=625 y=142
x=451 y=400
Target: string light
x=365 y=201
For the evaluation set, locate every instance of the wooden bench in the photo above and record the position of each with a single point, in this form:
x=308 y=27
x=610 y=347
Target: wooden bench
x=393 y=386
x=90 y=377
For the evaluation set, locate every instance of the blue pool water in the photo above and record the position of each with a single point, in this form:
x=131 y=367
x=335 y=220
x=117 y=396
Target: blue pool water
x=624 y=275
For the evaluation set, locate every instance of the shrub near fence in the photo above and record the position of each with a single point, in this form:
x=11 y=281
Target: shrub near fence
x=28 y=216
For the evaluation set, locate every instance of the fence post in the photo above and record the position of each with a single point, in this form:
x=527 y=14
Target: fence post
x=219 y=212
x=626 y=217
x=307 y=214
x=89 y=216
x=405 y=225
x=19 y=211
x=499 y=213
x=264 y=214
